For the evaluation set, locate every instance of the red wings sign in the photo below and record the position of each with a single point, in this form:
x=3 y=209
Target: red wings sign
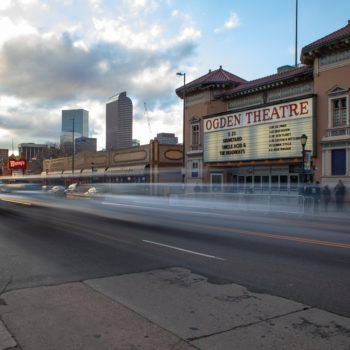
x=17 y=164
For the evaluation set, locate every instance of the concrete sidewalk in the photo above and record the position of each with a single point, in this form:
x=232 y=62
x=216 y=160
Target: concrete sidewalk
x=163 y=309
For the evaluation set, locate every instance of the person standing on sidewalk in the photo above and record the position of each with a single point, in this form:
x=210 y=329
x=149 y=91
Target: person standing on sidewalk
x=339 y=195
x=326 y=193
x=316 y=194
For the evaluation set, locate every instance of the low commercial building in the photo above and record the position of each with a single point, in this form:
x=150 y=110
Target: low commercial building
x=152 y=163
x=248 y=133
x=32 y=150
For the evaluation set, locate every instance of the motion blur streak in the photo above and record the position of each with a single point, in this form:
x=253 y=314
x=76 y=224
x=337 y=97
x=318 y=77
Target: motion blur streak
x=269 y=235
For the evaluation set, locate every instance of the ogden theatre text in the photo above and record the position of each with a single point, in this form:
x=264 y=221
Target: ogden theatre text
x=263 y=133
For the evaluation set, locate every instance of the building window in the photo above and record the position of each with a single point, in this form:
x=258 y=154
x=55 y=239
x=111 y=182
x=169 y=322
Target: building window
x=195 y=168
x=338 y=162
x=339 y=112
x=195 y=134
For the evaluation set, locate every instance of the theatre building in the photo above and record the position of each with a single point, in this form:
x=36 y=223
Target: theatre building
x=248 y=133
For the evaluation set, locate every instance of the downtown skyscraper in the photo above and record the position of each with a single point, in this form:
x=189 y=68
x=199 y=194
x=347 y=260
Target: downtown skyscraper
x=73 y=121
x=119 y=117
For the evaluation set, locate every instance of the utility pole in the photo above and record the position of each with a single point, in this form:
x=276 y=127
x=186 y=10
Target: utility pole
x=73 y=120
x=183 y=126
x=296 y=32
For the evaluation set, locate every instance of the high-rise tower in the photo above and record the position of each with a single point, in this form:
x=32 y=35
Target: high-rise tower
x=119 y=122
x=77 y=118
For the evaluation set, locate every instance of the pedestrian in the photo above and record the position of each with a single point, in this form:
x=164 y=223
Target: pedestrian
x=326 y=193
x=316 y=195
x=339 y=195
x=308 y=197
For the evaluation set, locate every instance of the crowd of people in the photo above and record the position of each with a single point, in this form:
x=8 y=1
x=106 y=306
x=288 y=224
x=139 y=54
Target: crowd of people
x=318 y=195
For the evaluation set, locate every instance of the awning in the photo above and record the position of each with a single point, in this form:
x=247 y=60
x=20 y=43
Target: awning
x=84 y=172
x=69 y=172
x=53 y=173
x=94 y=172
x=98 y=171
x=127 y=170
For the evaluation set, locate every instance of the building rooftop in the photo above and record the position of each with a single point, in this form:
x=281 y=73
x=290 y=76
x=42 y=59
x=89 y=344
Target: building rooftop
x=338 y=40
x=116 y=97
x=216 y=77
x=234 y=85
x=271 y=80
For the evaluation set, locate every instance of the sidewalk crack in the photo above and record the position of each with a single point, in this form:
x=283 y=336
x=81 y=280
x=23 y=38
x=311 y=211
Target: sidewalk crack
x=249 y=324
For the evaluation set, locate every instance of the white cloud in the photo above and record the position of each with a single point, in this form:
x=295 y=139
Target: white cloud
x=5 y=4
x=233 y=22
x=161 y=120
x=80 y=44
x=103 y=66
x=35 y=4
x=10 y=29
x=119 y=32
x=189 y=33
x=154 y=78
x=7 y=101
x=4 y=133
x=136 y=6
x=28 y=2
x=95 y=4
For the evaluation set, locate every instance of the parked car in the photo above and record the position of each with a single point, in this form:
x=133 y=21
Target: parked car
x=58 y=191
x=72 y=188
x=94 y=192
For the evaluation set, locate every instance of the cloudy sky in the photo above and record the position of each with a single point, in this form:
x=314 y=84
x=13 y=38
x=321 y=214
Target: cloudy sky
x=68 y=54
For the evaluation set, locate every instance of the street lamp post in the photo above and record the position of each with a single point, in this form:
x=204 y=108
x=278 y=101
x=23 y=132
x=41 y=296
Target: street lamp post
x=303 y=140
x=92 y=171
x=73 y=120
x=183 y=126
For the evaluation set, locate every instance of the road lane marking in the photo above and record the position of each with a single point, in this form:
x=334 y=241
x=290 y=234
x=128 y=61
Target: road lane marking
x=123 y=205
x=183 y=250
x=270 y=235
x=16 y=202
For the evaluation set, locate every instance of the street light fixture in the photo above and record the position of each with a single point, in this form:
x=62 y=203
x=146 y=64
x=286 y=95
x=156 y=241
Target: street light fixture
x=183 y=126
x=303 y=140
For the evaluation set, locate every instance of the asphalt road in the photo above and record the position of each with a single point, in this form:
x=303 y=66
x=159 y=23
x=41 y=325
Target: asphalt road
x=302 y=258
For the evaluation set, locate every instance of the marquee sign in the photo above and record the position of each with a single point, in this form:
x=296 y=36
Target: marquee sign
x=264 y=133
x=17 y=164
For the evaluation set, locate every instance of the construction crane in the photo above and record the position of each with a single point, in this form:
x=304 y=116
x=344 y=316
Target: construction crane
x=148 y=120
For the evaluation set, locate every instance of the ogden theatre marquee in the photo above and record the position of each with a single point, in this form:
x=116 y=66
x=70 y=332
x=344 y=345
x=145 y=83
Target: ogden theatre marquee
x=269 y=132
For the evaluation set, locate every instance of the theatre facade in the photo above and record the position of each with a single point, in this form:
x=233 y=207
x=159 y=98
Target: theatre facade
x=248 y=133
